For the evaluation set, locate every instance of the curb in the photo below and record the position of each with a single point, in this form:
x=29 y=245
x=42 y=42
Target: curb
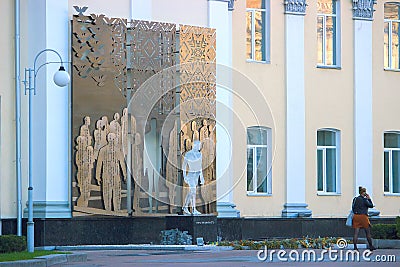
x=48 y=260
x=145 y=247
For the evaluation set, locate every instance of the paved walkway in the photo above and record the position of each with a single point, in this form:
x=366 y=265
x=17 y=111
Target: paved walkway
x=230 y=258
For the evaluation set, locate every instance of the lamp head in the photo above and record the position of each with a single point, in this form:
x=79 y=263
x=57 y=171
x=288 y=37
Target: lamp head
x=61 y=77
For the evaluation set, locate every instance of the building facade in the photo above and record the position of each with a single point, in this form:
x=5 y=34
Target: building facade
x=306 y=115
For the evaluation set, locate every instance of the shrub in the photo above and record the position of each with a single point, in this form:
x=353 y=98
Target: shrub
x=12 y=243
x=292 y=243
x=398 y=226
x=175 y=237
x=384 y=231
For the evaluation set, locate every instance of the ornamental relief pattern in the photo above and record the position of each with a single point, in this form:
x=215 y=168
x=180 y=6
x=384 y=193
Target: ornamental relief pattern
x=363 y=9
x=295 y=6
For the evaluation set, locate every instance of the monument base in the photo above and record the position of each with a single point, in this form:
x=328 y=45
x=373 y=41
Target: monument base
x=294 y=210
x=227 y=210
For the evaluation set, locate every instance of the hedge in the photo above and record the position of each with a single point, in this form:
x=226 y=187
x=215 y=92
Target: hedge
x=12 y=243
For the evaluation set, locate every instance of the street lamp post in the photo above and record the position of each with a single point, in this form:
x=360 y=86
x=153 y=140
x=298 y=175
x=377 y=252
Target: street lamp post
x=61 y=78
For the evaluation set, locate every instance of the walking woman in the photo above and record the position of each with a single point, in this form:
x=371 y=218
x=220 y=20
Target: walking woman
x=360 y=220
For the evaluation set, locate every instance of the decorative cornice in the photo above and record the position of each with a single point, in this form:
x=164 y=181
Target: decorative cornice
x=296 y=7
x=231 y=4
x=363 y=9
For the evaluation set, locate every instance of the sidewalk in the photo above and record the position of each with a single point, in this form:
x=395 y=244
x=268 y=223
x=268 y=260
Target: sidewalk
x=229 y=258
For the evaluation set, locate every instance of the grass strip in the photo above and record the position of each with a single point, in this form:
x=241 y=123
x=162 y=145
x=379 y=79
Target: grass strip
x=25 y=255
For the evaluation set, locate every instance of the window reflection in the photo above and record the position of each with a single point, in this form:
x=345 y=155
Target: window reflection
x=256 y=30
x=391 y=36
x=395 y=45
x=249 y=40
x=326 y=32
x=255 y=4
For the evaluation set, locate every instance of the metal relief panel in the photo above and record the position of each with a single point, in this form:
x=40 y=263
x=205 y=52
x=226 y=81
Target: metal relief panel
x=111 y=56
x=151 y=49
x=198 y=104
x=197 y=72
x=98 y=46
x=99 y=77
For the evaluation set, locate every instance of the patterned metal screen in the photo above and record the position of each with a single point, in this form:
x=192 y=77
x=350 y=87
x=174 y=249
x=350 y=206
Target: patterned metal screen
x=112 y=60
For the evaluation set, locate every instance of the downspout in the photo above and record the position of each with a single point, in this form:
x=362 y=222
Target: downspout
x=18 y=117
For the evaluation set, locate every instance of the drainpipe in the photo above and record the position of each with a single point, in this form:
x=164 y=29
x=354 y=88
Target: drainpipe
x=18 y=117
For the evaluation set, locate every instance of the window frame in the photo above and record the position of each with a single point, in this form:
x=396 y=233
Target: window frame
x=337 y=33
x=269 y=162
x=266 y=31
x=390 y=28
x=337 y=167
x=390 y=163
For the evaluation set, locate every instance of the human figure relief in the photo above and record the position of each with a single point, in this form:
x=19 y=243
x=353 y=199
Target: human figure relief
x=183 y=137
x=106 y=125
x=84 y=161
x=85 y=131
x=195 y=133
x=211 y=168
x=204 y=131
x=115 y=127
x=192 y=170
x=171 y=169
x=207 y=145
x=124 y=129
x=109 y=164
x=137 y=166
x=100 y=138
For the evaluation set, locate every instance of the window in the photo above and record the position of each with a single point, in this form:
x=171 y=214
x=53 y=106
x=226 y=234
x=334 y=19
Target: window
x=328 y=161
x=259 y=160
x=391 y=37
x=391 y=163
x=328 y=32
x=257 y=37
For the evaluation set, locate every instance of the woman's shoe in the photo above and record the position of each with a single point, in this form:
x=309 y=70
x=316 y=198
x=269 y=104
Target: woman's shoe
x=371 y=248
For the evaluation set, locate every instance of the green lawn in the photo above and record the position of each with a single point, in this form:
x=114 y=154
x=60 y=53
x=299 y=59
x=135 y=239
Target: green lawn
x=24 y=255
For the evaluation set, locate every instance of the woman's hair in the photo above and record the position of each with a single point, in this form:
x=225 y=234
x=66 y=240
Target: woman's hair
x=361 y=190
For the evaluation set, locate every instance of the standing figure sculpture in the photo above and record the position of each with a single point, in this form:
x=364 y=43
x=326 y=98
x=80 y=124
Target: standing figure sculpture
x=125 y=131
x=100 y=139
x=137 y=171
x=195 y=132
x=183 y=137
x=192 y=160
x=208 y=152
x=84 y=161
x=109 y=163
x=85 y=131
x=115 y=127
x=171 y=169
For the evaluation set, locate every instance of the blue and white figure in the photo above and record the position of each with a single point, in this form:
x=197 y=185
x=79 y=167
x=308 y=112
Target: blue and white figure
x=193 y=159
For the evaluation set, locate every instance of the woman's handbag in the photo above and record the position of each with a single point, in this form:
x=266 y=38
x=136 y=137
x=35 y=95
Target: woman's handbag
x=349 y=221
